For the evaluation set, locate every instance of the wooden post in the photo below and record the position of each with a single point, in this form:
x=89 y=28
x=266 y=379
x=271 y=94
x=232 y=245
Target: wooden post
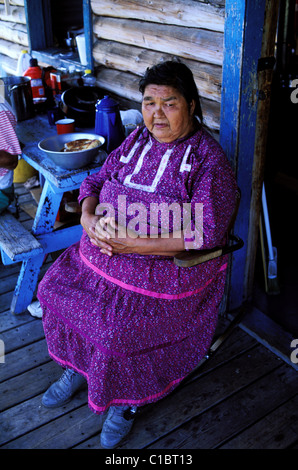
x=249 y=36
x=88 y=30
x=242 y=49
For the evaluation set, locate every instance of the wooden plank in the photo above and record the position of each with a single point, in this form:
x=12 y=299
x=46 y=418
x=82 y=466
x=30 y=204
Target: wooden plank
x=14 y=32
x=270 y=334
x=9 y=321
x=30 y=415
x=10 y=49
x=16 y=14
x=238 y=114
x=12 y=271
x=235 y=345
x=182 y=13
x=135 y=60
x=64 y=432
x=8 y=281
x=21 y=360
x=229 y=126
x=88 y=31
x=22 y=335
x=215 y=426
x=274 y=431
x=14 y=2
x=8 y=65
x=190 y=43
x=196 y=397
x=15 y=240
x=28 y=384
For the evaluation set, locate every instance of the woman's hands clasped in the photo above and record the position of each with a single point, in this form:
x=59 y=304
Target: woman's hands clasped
x=113 y=238
x=110 y=237
x=104 y=232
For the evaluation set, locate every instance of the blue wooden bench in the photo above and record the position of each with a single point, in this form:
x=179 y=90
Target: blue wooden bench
x=19 y=245
x=16 y=243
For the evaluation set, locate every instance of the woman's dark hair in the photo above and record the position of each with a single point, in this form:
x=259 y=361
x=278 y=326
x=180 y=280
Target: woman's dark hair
x=177 y=75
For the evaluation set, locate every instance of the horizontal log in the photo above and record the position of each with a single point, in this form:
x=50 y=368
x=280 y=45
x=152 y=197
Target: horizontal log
x=181 y=13
x=10 y=49
x=8 y=65
x=14 y=32
x=136 y=60
x=16 y=14
x=14 y=2
x=190 y=43
x=126 y=85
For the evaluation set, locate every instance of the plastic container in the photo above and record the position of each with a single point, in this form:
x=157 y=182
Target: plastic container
x=23 y=172
x=23 y=63
x=35 y=74
x=81 y=43
x=88 y=78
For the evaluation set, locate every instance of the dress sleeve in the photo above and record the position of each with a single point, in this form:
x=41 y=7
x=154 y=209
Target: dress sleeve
x=213 y=198
x=8 y=138
x=91 y=186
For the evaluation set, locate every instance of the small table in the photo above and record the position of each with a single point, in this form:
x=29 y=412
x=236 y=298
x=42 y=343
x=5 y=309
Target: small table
x=57 y=181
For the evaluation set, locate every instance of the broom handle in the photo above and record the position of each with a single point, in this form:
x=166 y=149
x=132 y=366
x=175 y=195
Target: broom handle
x=267 y=225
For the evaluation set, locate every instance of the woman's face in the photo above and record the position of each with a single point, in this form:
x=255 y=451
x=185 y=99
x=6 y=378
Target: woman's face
x=166 y=113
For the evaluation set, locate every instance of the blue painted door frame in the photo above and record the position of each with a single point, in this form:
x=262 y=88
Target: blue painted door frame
x=244 y=23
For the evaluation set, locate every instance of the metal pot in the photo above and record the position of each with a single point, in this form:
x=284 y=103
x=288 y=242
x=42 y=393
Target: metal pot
x=79 y=103
x=17 y=92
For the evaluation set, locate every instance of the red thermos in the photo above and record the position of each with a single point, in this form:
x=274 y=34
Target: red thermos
x=35 y=74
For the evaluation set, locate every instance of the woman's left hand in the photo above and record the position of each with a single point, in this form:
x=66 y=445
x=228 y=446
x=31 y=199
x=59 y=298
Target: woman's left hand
x=113 y=238
x=119 y=239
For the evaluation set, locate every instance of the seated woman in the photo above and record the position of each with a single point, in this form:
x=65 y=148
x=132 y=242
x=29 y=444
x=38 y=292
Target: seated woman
x=117 y=311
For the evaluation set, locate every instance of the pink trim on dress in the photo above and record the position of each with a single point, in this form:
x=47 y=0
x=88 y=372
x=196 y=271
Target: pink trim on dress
x=150 y=293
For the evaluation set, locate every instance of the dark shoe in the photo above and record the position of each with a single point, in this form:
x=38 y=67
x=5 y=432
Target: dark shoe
x=61 y=391
x=117 y=425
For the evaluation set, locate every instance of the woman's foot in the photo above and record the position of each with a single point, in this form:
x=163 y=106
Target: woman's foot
x=117 y=425
x=60 y=392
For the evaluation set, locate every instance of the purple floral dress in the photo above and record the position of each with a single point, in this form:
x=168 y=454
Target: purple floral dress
x=136 y=325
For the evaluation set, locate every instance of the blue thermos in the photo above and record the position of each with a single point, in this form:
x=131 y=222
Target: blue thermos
x=108 y=123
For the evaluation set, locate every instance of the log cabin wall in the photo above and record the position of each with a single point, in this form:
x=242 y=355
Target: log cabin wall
x=130 y=36
x=13 y=34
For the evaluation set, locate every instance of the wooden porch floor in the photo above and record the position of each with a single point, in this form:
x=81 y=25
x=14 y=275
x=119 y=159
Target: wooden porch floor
x=245 y=397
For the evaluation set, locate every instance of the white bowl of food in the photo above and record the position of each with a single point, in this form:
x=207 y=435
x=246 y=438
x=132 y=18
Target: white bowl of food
x=72 y=151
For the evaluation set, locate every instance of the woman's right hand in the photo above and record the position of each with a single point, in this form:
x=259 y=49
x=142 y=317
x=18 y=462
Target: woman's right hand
x=88 y=222
x=89 y=219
